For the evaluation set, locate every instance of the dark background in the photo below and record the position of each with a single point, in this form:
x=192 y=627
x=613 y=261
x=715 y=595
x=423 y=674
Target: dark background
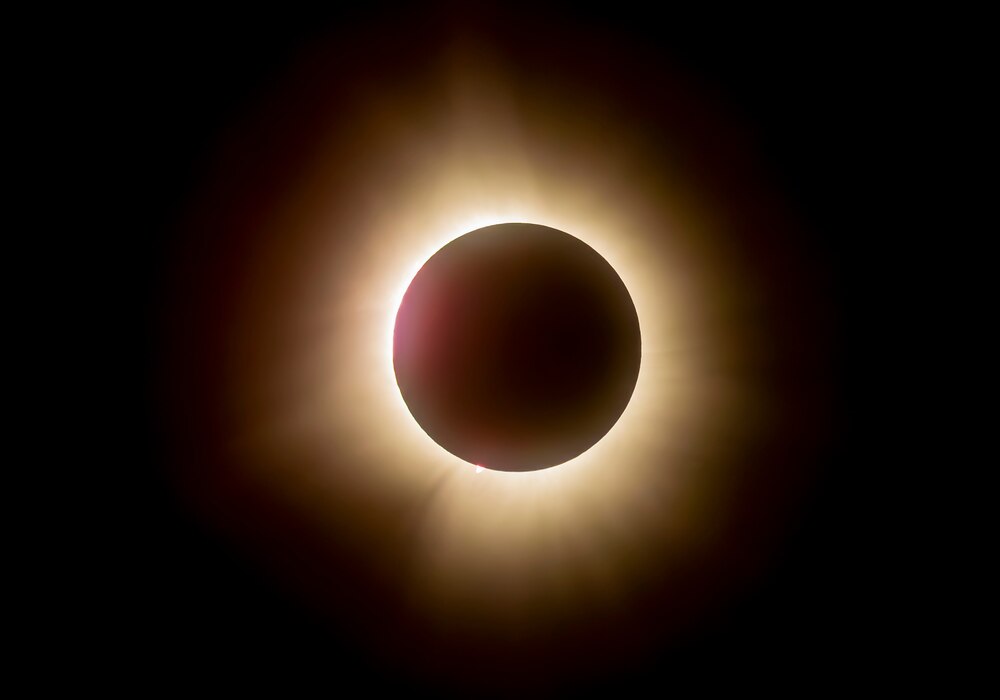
x=156 y=598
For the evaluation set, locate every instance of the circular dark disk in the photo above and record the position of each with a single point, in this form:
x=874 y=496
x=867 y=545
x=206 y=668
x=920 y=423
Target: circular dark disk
x=516 y=347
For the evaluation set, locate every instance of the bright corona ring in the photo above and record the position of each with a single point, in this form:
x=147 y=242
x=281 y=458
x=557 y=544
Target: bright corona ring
x=511 y=362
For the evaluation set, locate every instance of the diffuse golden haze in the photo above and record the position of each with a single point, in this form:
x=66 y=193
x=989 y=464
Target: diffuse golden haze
x=291 y=433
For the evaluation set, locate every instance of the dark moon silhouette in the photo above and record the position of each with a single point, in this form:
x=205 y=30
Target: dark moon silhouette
x=516 y=347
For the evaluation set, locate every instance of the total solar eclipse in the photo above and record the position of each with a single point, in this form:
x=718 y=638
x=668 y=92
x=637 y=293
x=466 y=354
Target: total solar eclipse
x=563 y=262
x=516 y=347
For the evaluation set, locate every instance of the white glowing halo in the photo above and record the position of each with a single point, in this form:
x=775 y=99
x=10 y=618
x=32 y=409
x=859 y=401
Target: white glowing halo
x=477 y=522
x=496 y=544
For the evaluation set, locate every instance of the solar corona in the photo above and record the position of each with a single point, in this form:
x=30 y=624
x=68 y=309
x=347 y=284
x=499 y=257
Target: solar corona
x=515 y=361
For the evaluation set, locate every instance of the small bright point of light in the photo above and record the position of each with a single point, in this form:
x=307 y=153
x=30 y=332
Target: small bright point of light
x=478 y=469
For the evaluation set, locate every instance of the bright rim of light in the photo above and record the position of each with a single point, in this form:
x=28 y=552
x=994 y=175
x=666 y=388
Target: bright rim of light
x=473 y=223
x=473 y=527
x=487 y=536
